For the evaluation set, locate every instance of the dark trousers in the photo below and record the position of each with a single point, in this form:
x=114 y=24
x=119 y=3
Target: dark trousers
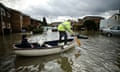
x=63 y=34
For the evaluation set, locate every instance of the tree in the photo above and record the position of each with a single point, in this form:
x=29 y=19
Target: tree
x=90 y=25
x=44 y=22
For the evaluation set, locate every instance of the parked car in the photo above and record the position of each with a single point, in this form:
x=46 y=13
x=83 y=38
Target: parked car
x=114 y=30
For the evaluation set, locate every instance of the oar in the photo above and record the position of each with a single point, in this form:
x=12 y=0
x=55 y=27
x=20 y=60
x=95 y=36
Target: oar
x=77 y=41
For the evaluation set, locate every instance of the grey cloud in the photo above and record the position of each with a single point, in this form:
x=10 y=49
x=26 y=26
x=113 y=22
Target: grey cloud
x=86 y=5
x=73 y=7
x=77 y=7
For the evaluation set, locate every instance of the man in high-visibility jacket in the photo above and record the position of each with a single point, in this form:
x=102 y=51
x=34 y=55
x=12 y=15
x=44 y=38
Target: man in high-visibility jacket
x=62 y=28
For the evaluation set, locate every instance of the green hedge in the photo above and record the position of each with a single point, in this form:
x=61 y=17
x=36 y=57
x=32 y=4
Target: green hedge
x=37 y=31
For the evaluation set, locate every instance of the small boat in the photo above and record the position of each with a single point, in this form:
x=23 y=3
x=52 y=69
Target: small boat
x=50 y=47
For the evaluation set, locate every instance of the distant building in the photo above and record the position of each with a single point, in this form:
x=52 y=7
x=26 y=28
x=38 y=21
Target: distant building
x=116 y=18
x=12 y=20
x=113 y=20
x=5 y=20
x=96 y=19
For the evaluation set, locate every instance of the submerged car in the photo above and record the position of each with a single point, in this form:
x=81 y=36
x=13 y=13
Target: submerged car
x=114 y=30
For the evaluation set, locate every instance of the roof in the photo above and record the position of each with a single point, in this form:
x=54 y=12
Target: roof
x=93 y=17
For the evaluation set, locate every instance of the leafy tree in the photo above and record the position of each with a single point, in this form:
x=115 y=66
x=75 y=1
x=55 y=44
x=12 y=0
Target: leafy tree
x=44 y=22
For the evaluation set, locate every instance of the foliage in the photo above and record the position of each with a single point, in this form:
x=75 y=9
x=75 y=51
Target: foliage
x=35 y=30
x=38 y=30
x=31 y=27
x=44 y=23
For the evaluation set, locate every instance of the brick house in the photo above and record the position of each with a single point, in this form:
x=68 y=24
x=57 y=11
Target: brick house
x=16 y=20
x=5 y=20
x=26 y=22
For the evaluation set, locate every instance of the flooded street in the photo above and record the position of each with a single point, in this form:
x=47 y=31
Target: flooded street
x=98 y=53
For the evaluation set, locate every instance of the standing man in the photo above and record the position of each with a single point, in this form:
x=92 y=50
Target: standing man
x=62 y=28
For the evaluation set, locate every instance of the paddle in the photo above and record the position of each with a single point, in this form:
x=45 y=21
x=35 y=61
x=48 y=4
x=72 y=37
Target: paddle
x=77 y=41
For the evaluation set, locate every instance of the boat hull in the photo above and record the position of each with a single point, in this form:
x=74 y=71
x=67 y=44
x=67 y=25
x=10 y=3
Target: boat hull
x=43 y=51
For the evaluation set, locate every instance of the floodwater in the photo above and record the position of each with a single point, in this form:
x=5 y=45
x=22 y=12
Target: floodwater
x=98 y=53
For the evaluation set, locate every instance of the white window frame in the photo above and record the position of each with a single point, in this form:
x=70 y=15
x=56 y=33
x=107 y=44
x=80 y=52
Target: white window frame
x=3 y=25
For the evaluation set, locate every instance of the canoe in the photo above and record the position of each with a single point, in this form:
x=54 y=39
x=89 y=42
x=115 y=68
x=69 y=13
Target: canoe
x=51 y=47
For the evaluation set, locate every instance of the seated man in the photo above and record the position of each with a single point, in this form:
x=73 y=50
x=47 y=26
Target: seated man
x=25 y=43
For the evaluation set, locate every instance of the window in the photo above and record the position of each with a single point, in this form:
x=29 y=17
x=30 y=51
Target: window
x=8 y=25
x=3 y=12
x=115 y=17
x=114 y=28
x=8 y=14
x=118 y=27
x=3 y=25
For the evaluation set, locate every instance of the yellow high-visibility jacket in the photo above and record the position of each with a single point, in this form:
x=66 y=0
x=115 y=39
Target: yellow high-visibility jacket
x=65 y=26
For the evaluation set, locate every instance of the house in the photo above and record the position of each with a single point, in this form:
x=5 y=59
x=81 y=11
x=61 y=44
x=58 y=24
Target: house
x=5 y=20
x=116 y=18
x=12 y=20
x=16 y=20
x=19 y=21
x=96 y=19
x=111 y=21
x=26 y=22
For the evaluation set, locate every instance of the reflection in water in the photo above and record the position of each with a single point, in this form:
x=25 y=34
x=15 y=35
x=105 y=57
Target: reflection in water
x=6 y=43
x=77 y=54
x=7 y=64
x=34 y=64
x=30 y=68
x=65 y=64
x=118 y=57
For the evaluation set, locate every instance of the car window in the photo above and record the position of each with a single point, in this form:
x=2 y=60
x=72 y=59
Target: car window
x=114 y=28
x=118 y=27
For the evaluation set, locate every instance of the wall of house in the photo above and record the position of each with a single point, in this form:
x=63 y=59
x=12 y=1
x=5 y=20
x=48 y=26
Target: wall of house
x=107 y=23
x=0 y=28
x=116 y=18
x=113 y=20
x=16 y=22
x=5 y=22
x=26 y=22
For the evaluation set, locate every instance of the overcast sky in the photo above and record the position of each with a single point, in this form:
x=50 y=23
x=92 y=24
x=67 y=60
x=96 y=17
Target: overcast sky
x=61 y=9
